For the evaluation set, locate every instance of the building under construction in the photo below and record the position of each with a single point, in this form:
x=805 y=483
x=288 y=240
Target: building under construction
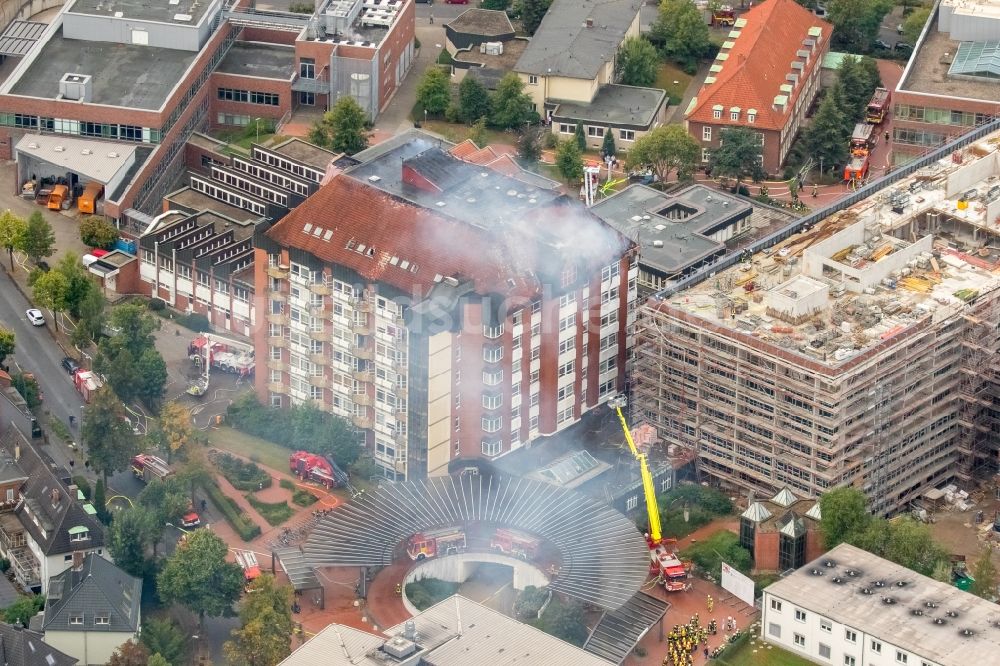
x=861 y=351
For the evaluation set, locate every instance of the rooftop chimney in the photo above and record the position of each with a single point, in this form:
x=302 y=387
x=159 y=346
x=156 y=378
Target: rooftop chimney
x=77 y=560
x=54 y=494
x=590 y=23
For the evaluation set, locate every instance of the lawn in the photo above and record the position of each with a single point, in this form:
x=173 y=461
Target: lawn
x=274 y=513
x=259 y=450
x=759 y=654
x=458 y=132
x=672 y=79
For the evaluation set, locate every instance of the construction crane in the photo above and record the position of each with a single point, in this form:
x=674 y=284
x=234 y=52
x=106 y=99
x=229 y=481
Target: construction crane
x=663 y=560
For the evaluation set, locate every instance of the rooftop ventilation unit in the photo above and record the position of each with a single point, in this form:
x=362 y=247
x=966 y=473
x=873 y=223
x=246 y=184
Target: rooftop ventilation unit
x=112 y=155
x=76 y=87
x=183 y=18
x=374 y=179
x=59 y=149
x=399 y=647
x=86 y=151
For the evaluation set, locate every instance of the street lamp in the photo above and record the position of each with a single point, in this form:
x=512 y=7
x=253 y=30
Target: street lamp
x=425 y=117
x=256 y=122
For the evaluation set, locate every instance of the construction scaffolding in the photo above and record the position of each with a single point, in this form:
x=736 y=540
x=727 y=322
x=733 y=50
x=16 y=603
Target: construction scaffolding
x=979 y=389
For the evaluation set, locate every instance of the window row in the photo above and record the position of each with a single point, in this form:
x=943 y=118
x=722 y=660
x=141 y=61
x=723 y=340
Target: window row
x=249 y=96
x=597 y=132
x=113 y=131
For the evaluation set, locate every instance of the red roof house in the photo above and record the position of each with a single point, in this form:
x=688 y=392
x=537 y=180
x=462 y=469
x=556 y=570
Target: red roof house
x=765 y=77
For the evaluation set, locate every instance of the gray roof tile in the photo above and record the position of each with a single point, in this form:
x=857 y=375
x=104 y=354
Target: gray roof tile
x=23 y=647
x=97 y=589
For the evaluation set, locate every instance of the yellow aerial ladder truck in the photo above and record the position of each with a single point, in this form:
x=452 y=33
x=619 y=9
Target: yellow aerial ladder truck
x=663 y=560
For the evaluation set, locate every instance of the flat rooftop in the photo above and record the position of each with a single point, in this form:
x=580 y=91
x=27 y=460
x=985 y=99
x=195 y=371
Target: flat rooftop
x=267 y=61
x=672 y=230
x=142 y=78
x=933 y=620
x=616 y=105
x=193 y=201
x=474 y=194
x=305 y=152
x=512 y=50
x=927 y=71
x=144 y=10
x=869 y=273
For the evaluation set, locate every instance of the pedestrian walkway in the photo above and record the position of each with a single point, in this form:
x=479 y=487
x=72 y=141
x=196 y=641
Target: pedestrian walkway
x=395 y=118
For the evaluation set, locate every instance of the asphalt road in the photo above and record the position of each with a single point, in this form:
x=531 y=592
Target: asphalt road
x=36 y=351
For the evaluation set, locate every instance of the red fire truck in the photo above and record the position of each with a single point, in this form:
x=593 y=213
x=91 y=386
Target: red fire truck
x=441 y=541
x=724 y=17
x=512 y=542
x=863 y=139
x=146 y=467
x=878 y=107
x=248 y=561
x=857 y=169
x=312 y=467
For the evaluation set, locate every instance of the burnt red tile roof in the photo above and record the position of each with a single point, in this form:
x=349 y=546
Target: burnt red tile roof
x=513 y=258
x=757 y=64
x=464 y=149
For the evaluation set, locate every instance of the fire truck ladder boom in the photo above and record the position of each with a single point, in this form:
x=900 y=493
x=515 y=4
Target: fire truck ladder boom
x=652 y=509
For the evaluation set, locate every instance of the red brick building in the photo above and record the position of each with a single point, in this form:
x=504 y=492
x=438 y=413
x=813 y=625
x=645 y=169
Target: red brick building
x=147 y=74
x=416 y=294
x=765 y=77
x=781 y=533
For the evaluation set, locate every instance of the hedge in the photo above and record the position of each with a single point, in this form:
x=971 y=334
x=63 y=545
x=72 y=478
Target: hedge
x=274 y=513
x=245 y=476
x=246 y=528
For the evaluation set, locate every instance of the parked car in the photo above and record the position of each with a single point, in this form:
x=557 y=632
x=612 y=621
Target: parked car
x=35 y=317
x=903 y=47
x=879 y=45
x=70 y=365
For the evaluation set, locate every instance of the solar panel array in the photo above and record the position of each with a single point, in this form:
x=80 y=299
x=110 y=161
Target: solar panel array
x=604 y=558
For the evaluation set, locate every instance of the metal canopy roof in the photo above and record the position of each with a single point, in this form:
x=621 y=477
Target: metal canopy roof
x=20 y=36
x=296 y=567
x=604 y=557
x=617 y=633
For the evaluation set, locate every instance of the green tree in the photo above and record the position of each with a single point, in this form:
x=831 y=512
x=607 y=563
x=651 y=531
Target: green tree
x=637 y=63
x=101 y=501
x=158 y=659
x=109 y=440
x=127 y=539
x=943 y=572
x=608 y=147
x=473 y=100
x=682 y=31
x=985 y=573
x=130 y=653
x=51 y=290
x=665 y=149
x=325 y=433
x=129 y=359
x=165 y=500
x=6 y=343
x=853 y=83
x=580 y=137
x=856 y=22
x=532 y=13
x=80 y=284
x=496 y=5
x=433 y=91
x=22 y=610
x=723 y=546
x=199 y=577
x=569 y=161
x=905 y=542
x=870 y=73
x=265 y=633
x=344 y=128
x=844 y=511
x=161 y=636
x=739 y=156
x=914 y=24
x=477 y=133
x=27 y=386
x=825 y=138
x=37 y=241
x=564 y=619
x=152 y=370
x=91 y=318
x=512 y=107
x=529 y=146
x=95 y=231
x=12 y=230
